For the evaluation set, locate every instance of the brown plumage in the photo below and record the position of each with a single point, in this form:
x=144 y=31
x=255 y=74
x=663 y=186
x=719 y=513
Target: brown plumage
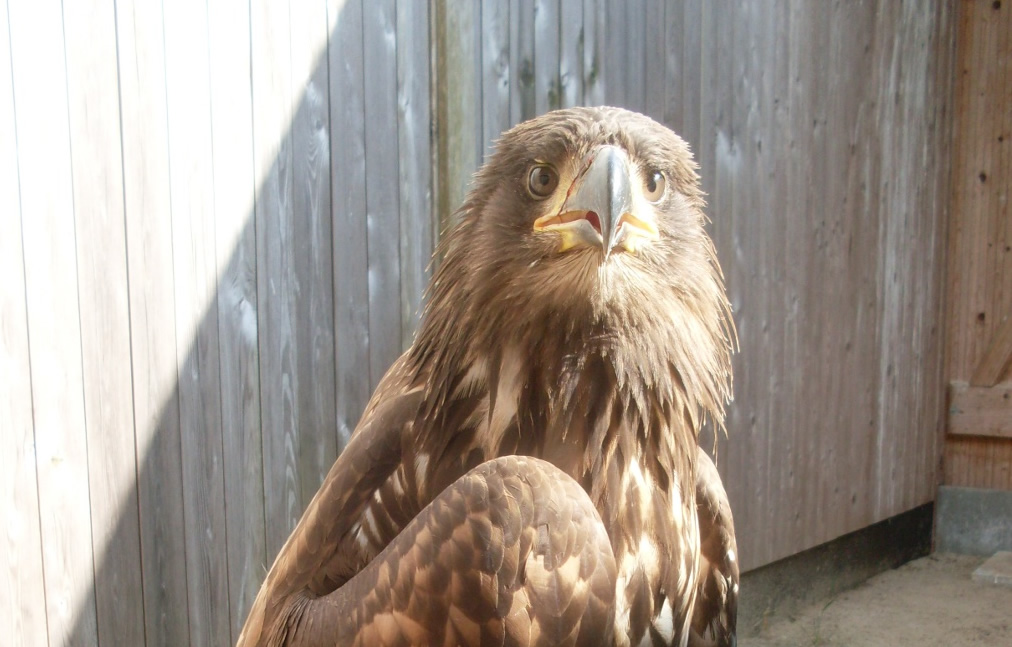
x=526 y=473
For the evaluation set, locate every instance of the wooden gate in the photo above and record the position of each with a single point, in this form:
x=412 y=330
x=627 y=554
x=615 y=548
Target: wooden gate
x=978 y=444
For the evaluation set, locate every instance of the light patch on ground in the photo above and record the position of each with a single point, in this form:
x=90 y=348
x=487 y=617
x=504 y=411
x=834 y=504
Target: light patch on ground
x=932 y=601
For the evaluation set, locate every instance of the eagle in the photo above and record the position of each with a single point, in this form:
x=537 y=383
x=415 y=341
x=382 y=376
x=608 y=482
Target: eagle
x=528 y=472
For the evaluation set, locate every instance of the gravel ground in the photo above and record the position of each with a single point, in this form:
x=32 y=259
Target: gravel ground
x=927 y=602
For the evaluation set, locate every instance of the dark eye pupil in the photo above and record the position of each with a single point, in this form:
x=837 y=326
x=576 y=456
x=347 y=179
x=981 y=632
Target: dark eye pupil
x=542 y=181
x=654 y=185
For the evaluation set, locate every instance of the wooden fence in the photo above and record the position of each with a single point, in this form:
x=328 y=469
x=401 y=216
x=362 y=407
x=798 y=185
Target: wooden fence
x=978 y=448
x=216 y=220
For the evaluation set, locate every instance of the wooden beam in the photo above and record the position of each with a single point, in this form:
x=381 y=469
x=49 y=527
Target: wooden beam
x=997 y=357
x=980 y=411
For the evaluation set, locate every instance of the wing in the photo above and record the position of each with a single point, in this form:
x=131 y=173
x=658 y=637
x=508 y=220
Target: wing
x=512 y=553
x=716 y=611
x=372 y=454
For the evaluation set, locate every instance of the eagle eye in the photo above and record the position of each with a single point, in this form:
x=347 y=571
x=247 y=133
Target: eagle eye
x=655 y=185
x=542 y=181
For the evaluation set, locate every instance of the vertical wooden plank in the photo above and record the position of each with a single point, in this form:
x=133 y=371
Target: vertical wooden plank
x=847 y=237
x=672 y=110
x=289 y=288
x=1000 y=244
x=965 y=318
x=936 y=37
x=944 y=72
x=379 y=29
x=415 y=154
x=982 y=176
x=655 y=55
x=236 y=303
x=636 y=63
x=784 y=410
x=980 y=262
x=547 y=89
x=692 y=52
x=913 y=209
x=997 y=127
x=191 y=194
x=522 y=89
x=767 y=338
x=733 y=175
x=995 y=179
x=276 y=283
x=785 y=488
x=890 y=451
x=754 y=289
x=22 y=595
x=615 y=43
x=457 y=23
x=962 y=144
x=731 y=229
x=823 y=423
x=311 y=250
x=496 y=71
x=594 y=27
x=50 y=280
x=93 y=93
x=819 y=426
x=347 y=150
x=973 y=316
x=571 y=54
x=50 y=262
x=144 y=118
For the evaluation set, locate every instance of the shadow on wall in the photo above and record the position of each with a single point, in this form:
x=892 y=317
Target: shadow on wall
x=260 y=306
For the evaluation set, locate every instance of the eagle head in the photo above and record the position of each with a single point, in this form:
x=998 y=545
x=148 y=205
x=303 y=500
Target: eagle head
x=584 y=233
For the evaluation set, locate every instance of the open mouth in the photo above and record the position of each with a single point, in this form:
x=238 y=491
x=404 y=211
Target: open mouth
x=560 y=219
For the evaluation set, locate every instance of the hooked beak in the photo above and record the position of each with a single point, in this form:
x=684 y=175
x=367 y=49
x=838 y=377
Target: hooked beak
x=601 y=208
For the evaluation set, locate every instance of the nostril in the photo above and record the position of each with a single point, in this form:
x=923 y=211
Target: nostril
x=595 y=222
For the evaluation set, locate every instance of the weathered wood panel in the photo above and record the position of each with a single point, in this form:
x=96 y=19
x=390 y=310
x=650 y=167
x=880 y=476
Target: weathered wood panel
x=221 y=273
x=997 y=357
x=235 y=244
x=980 y=410
x=145 y=138
x=980 y=240
x=311 y=245
x=191 y=196
x=459 y=143
x=92 y=88
x=347 y=151
x=294 y=257
x=521 y=66
x=547 y=58
x=571 y=43
x=844 y=231
x=414 y=116
x=820 y=134
x=276 y=280
x=22 y=594
x=496 y=70
x=382 y=185
x=594 y=28
x=38 y=62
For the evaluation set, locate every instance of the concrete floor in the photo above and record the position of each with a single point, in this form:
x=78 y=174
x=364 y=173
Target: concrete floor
x=930 y=601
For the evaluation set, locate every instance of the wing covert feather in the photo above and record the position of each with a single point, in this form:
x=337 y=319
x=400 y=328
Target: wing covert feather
x=514 y=552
